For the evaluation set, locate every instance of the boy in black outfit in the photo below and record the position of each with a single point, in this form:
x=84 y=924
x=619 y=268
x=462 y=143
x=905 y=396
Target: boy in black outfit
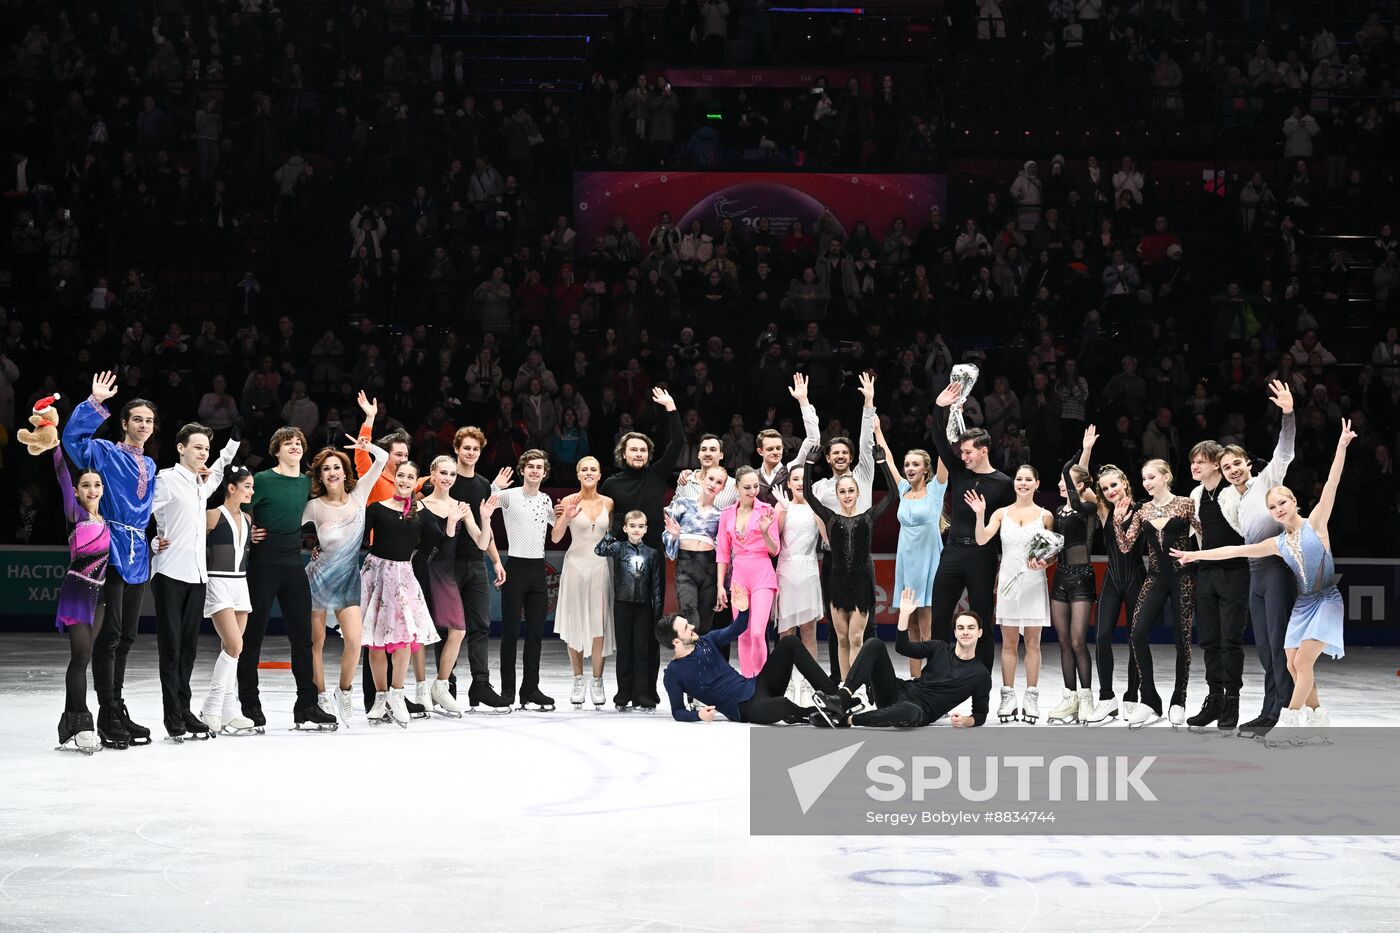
x=639 y=579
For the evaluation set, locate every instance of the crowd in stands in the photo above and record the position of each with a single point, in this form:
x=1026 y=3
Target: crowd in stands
x=253 y=215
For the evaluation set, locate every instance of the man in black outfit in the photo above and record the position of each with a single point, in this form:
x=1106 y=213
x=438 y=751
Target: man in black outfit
x=951 y=675
x=965 y=563
x=1222 y=596
x=640 y=485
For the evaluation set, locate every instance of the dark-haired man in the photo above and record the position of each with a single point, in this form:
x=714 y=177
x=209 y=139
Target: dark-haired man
x=965 y=564
x=951 y=675
x=700 y=671
x=178 y=570
x=641 y=480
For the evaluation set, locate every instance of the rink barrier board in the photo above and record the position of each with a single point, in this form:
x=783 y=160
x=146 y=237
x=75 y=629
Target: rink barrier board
x=30 y=578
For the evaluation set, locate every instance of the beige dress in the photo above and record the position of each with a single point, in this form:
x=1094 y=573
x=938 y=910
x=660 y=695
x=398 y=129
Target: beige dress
x=584 y=609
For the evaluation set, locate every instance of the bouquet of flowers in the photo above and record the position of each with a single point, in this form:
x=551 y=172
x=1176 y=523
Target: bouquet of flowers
x=963 y=375
x=1043 y=546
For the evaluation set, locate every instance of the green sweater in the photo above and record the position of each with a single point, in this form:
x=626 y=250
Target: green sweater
x=277 y=506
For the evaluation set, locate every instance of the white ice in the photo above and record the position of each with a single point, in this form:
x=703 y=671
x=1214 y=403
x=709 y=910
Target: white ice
x=582 y=821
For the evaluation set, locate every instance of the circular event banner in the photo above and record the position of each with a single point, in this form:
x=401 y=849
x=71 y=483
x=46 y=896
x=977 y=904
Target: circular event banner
x=744 y=197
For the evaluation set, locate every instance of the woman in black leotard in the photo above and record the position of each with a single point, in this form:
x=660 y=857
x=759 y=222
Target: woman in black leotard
x=1120 y=586
x=851 y=585
x=1072 y=596
x=1171 y=522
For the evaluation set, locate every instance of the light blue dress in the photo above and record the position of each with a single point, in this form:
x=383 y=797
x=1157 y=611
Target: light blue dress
x=1318 y=613
x=920 y=542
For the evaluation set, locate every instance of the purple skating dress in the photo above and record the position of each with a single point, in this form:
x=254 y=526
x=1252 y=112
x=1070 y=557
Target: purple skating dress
x=88 y=545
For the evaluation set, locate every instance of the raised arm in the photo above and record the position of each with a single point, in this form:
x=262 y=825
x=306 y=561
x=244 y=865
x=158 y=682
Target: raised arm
x=370 y=452
x=371 y=410
x=985 y=529
x=71 y=510
x=878 y=508
x=563 y=517
x=864 y=469
x=210 y=483
x=890 y=468
x=86 y=451
x=1323 y=510
x=946 y=454
x=821 y=510
x=812 y=432
x=1072 y=496
x=663 y=464
x=1277 y=468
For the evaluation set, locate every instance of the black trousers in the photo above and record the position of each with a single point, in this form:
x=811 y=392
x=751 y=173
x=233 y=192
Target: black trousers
x=284 y=582
x=695 y=588
x=872 y=631
x=1222 y=612
x=896 y=705
x=475 y=586
x=974 y=568
x=121 y=618
x=1272 y=590
x=768 y=705
x=1152 y=599
x=1116 y=595
x=638 y=654
x=524 y=592
x=179 y=607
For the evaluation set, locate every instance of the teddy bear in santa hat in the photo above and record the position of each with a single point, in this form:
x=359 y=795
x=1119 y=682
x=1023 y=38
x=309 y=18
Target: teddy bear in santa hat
x=45 y=420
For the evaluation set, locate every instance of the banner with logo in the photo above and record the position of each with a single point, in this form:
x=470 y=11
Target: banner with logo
x=744 y=197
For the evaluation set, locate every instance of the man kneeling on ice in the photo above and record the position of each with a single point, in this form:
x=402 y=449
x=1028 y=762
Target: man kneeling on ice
x=950 y=676
x=700 y=671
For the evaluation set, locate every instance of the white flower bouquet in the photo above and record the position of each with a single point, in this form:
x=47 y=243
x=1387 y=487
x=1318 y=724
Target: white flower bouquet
x=1043 y=545
x=963 y=375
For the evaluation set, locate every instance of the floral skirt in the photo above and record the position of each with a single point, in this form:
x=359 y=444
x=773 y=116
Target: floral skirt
x=395 y=612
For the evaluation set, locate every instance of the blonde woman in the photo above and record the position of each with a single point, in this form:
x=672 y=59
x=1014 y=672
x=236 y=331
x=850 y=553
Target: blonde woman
x=583 y=614
x=1023 y=593
x=1171 y=522
x=1121 y=585
x=1315 y=625
x=921 y=491
x=434 y=565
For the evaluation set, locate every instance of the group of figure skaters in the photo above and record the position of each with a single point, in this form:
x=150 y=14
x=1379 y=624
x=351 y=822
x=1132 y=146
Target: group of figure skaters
x=773 y=546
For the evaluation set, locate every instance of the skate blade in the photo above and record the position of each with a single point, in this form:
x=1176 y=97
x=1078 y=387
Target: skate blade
x=401 y=723
x=484 y=710
x=146 y=741
x=418 y=716
x=447 y=713
x=71 y=746
x=1143 y=725
x=313 y=727
x=178 y=739
x=251 y=730
x=1012 y=718
x=536 y=708
x=119 y=746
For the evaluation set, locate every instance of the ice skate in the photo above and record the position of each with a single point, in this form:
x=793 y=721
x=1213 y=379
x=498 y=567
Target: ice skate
x=576 y=696
x=420 y=704
x=240 y=725
x=862 y=696
x=481 y=697
x=398 y=707
x=537 y=701
x=313 y=719
x=1257 y=728
x=1210 y=712
x=110 y=729
x=1176 y=715
x=1129 y=707
x=599 y=695
x=379 y=713
x=1007 y=711
x=1319 y=726
x=832 y=709
x=443 y=701
x=76 y=732
x=175 y=729
x=1229 y=719
x=197 y=728
x=326 y=703
x=256 y=717
x=1030 y=706
x=1066 y=712
x=1143 y=715
x=344 y=707
x=1103 y=711
x=1288 y=731
x=140 y=735
x=213 y=722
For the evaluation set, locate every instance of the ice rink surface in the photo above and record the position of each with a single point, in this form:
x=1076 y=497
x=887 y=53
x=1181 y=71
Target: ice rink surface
x=583 y=821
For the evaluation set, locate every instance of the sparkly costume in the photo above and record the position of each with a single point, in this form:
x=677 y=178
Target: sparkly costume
x=334 y=573
x=852 y=577
x=1164 y=579
x=1318 y=613
x=81 y=591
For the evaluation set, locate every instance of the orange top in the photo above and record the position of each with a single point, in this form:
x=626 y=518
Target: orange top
x=384 y=485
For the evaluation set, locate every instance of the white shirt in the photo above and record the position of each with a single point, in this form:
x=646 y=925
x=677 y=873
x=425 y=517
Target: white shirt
x=528 y=519
x=811 y=441
x=824 y=490
x=179 y=506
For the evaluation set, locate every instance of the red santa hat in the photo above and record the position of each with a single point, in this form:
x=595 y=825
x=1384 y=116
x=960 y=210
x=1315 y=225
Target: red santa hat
x=44 y=404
